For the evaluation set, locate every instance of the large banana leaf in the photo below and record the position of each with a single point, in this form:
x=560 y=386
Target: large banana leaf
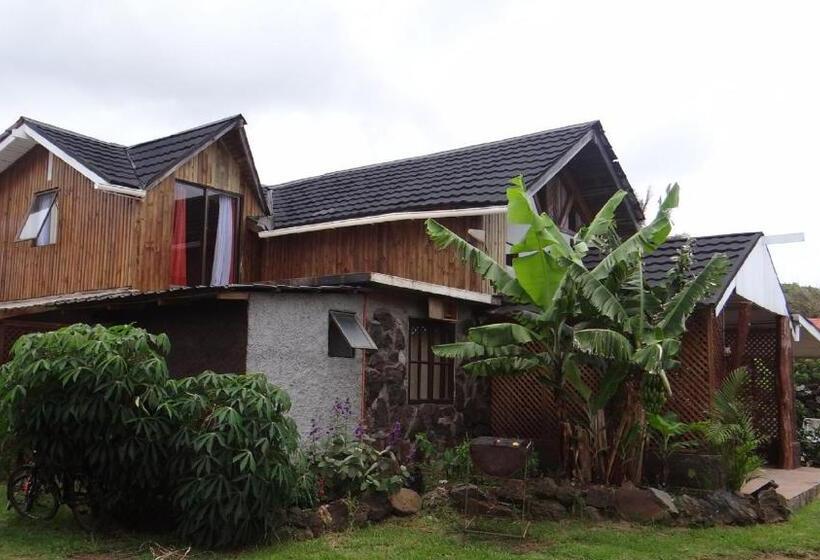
x=498 y=275
x=604 y=221
x=678 y=309
x=598 y=295
x=501 y=334
x=604 y=343
x=469 y=350
x=646 y=240
x=541 y=276
x=502 y=366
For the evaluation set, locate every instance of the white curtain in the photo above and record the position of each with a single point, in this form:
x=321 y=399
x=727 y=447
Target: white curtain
x=223 y=248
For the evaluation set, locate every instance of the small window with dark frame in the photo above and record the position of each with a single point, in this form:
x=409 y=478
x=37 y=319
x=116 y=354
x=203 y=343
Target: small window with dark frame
x=430 y=378
x=346 y=334
x=41 y=223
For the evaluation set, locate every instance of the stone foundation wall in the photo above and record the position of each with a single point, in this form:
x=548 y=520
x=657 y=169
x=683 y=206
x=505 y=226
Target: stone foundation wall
x=387 y=386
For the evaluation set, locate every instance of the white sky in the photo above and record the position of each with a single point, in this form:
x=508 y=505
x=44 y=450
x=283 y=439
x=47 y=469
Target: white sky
x=721 y=97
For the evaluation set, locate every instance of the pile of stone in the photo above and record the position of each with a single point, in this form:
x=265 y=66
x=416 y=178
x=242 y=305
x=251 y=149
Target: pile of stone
x=544 y=498
x=340 y=515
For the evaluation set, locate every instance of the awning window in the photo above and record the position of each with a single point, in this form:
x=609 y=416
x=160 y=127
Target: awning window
x=345 y=334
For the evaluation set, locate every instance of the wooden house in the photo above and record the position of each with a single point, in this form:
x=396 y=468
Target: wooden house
x=329 y=284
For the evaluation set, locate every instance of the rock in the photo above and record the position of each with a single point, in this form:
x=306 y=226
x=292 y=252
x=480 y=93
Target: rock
x=335 y=516
x=547 y=509
x=462 y=492
x=772 y=507
x=593 y=514
x=639 y=505
x=568 y=494
x=435 y=499
x=405 y=502
x=665 y=500
x=543 y=488
x=491 y=508
x=693 y=511
x=377 y=506
x=599 y=497
x=732 y=509
x=511 y=490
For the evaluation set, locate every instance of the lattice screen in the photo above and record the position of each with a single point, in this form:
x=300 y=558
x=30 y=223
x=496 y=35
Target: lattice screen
x=523 y=407
x=761 y=360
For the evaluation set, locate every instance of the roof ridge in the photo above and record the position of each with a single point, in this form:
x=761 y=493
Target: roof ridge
x=62 y=129
x=587 y=124
x=187 y=130
x=733 y=234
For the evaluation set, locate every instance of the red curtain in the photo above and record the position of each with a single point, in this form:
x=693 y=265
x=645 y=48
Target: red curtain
x=179 y=264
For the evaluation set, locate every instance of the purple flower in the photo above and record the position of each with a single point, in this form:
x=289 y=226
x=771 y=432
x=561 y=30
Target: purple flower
x=359 y=432
x=394 y=437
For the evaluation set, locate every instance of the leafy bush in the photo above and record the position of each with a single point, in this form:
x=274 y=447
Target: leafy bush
x=348 y=462
x=73 y=395
x=448 y=463
x=231 y=460
x=730 y=431
x=214 y=452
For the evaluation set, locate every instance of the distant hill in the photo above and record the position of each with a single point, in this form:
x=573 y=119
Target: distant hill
x=803 y=299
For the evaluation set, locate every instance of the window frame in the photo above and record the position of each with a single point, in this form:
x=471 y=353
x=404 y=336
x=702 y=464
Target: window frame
x=237 y=241
x=447 y=365
x=50 y=215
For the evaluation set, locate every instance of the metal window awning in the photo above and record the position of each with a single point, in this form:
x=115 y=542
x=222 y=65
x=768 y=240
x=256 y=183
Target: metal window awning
x=352 y=330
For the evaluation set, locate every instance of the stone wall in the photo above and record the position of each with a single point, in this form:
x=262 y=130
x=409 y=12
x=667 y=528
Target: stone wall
x=387 y=380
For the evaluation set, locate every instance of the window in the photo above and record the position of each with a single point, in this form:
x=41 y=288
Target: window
x=345 y=334
x=204 y=244
x=41 y=223
x=431 y=377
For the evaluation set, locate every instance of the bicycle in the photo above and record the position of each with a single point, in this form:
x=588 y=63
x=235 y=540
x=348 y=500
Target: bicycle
x=37 y=492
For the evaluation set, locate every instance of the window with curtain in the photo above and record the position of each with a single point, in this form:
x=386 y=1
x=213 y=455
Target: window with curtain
x=41 y=223
x=205 y=237
x=431 y=378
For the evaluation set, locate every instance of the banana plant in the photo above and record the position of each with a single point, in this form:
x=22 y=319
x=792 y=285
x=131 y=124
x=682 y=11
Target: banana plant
x=570 y=314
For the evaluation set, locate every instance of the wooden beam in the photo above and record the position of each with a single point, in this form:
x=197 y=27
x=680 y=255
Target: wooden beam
x=744 y=309
x=789 y=446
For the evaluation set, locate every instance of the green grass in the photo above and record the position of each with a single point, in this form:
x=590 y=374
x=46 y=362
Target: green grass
x=427 y=537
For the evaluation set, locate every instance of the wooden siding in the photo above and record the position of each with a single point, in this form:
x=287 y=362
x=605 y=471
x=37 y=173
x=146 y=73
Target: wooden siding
x=398 y=248
x=106 y=240
x=95 y=233
x=214 y=167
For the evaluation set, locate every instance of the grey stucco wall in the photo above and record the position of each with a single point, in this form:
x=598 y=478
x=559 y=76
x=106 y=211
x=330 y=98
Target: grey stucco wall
x=287 y=341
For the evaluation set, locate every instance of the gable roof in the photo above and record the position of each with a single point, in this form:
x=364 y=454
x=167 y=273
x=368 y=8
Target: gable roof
x=137 y=167
x=751 y=273
x=474 y=177
x=735 y=246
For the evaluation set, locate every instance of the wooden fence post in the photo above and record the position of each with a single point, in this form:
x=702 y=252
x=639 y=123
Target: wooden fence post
x=785 y=396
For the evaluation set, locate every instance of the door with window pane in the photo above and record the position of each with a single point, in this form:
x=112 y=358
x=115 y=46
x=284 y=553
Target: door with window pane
x=430 y=378
x=205 y=237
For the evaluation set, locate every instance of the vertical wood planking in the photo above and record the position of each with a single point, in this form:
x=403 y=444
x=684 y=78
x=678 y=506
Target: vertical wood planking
x=398 y=248
x=95 y=240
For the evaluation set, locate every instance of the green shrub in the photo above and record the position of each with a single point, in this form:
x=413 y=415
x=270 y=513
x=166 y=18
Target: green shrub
x=212 y=452
x=448 y=463
x=347 y=462
x=231 y=459
x=729 y=430
x=74 y=395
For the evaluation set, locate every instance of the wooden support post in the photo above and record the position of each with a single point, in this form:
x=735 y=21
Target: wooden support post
x=743 y=324
x=787 y=429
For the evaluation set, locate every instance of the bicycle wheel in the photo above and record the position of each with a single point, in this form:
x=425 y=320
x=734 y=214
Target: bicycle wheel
x=32 y=494
x=81 y=504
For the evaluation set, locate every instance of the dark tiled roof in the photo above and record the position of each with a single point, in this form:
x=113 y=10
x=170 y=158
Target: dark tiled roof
x=109 y=161
x=135 y=166
x=736 y=247
x=470 y=177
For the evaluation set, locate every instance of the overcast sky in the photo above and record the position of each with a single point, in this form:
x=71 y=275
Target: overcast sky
x=721 y=97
